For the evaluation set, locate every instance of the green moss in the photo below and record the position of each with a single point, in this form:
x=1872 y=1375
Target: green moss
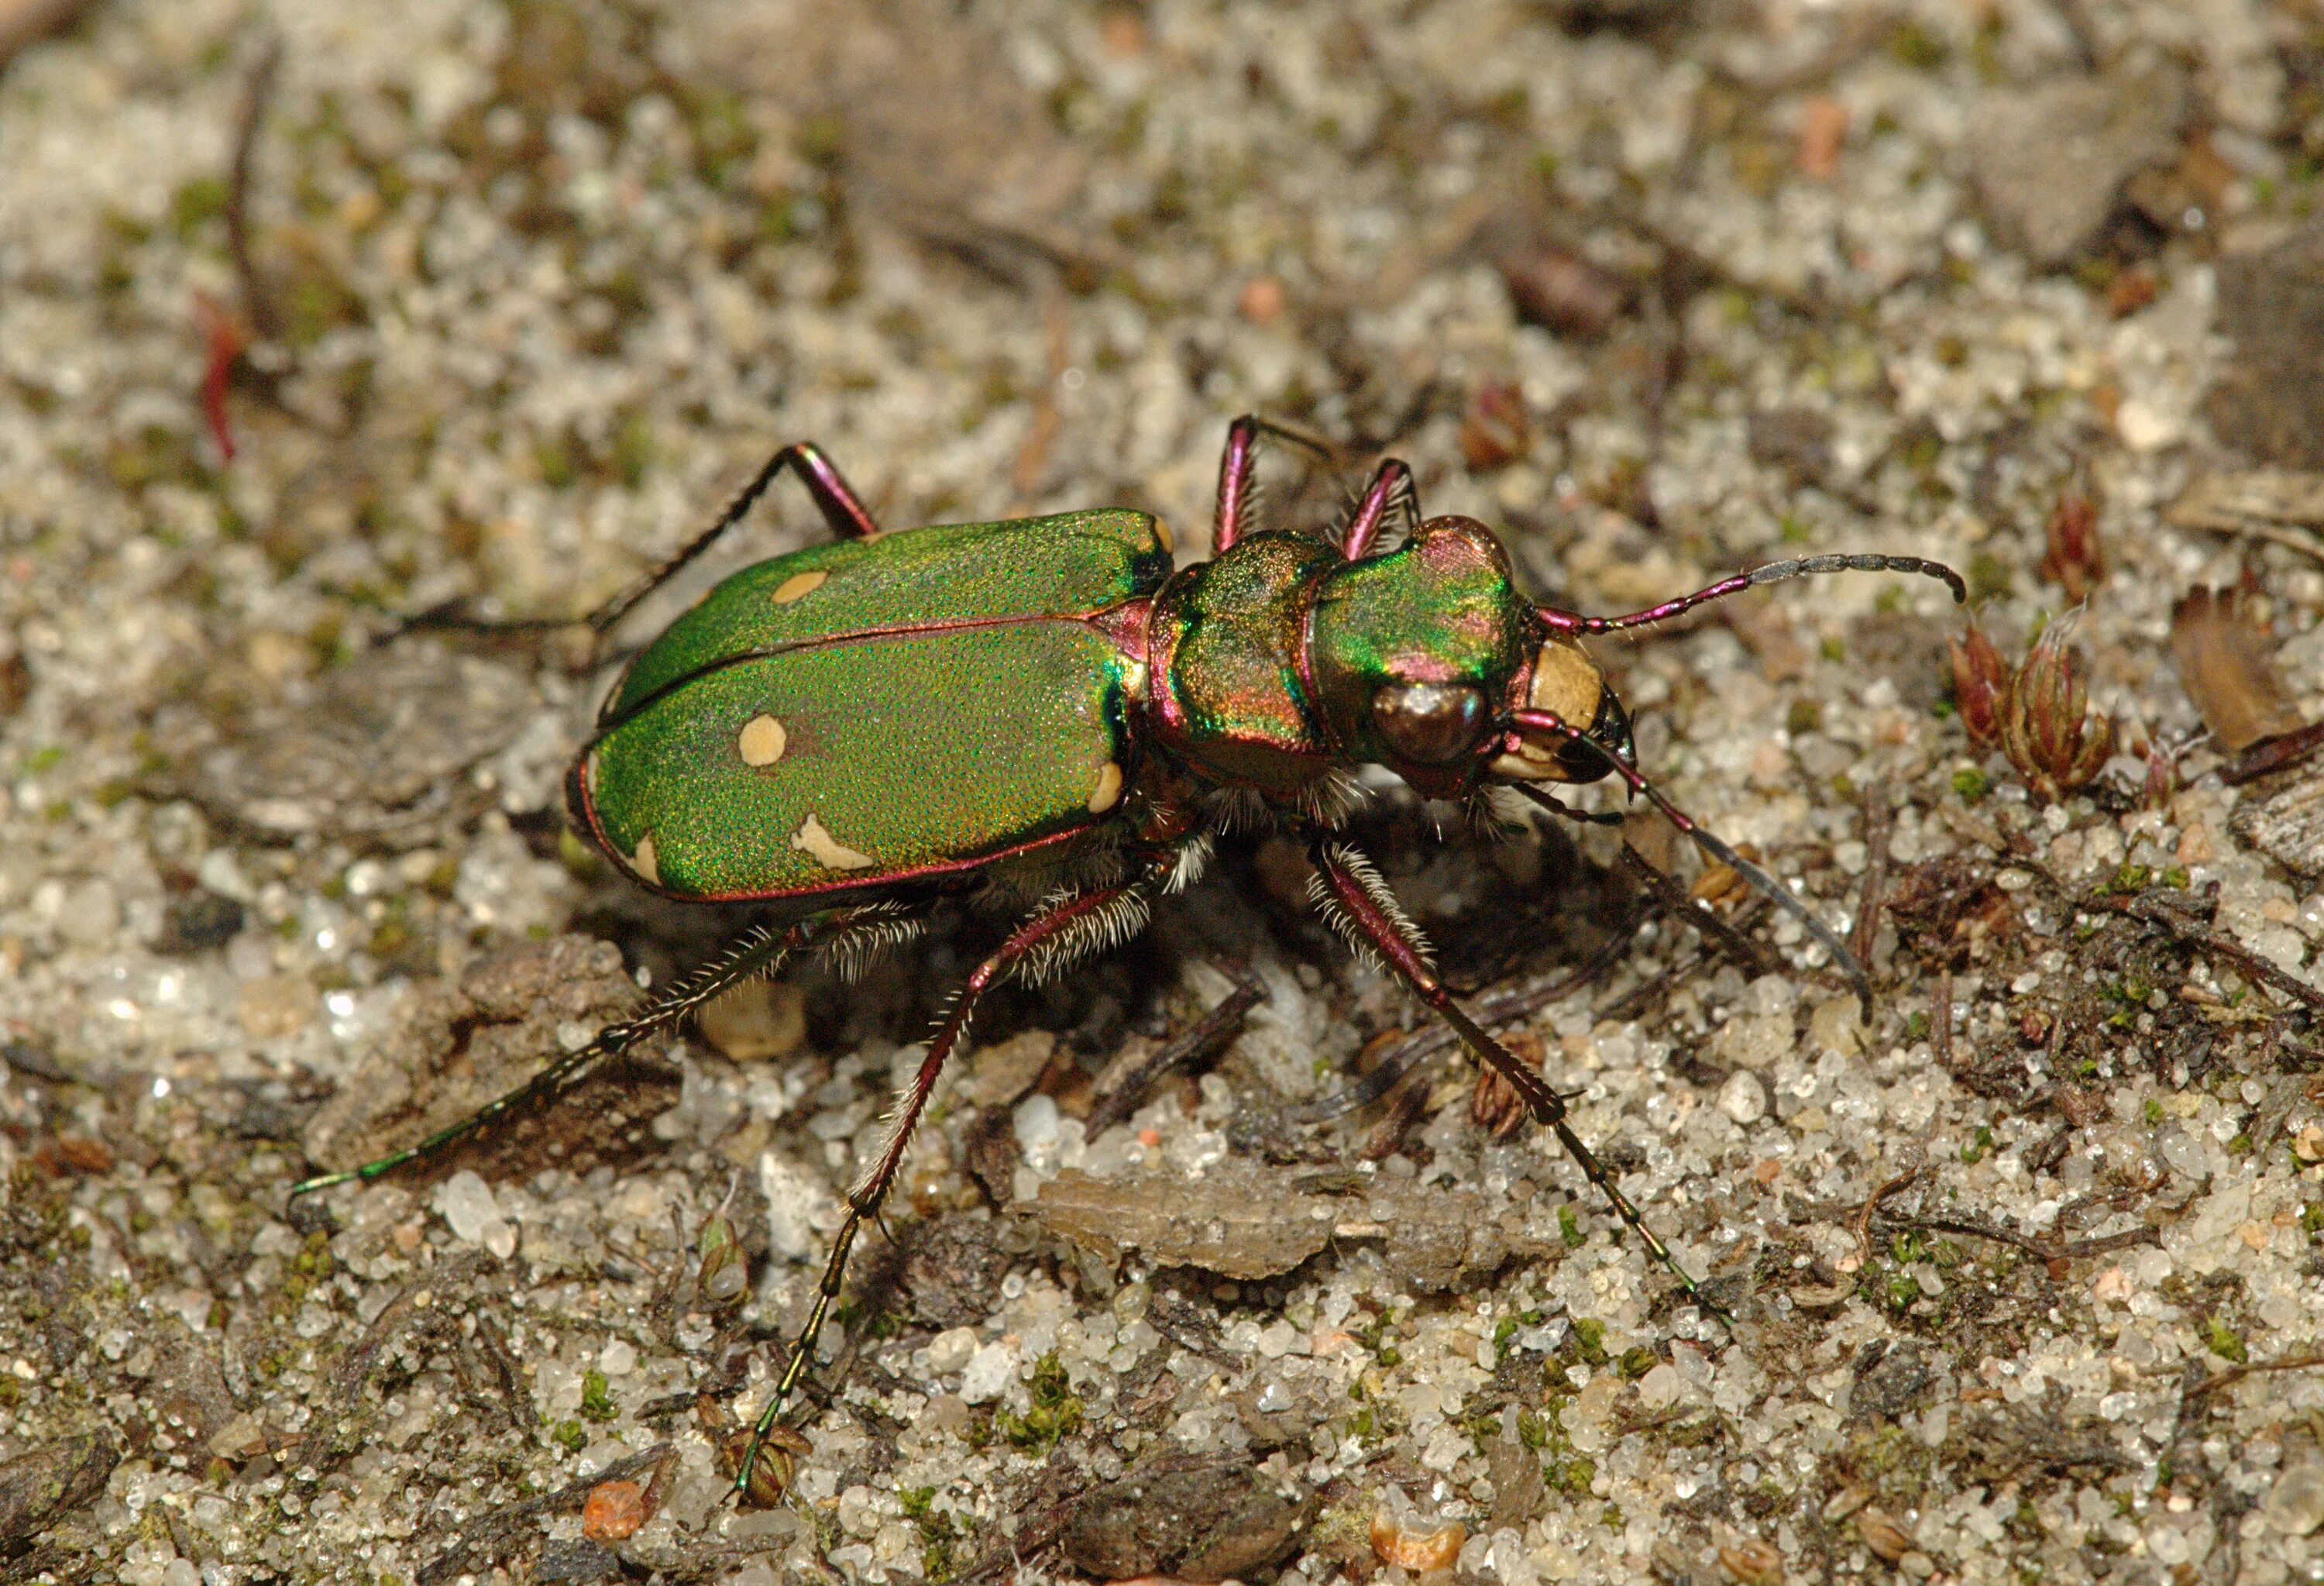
x=1056 y=1410
x=1588 y=1344
x=1971 y=783
x=1979 y=1144
x=204 y=198
x=1805 y=715
x=596 y=1396
x=1637 y=1362
x=570 y=1435
x=1568 y=1229
x=2225 y=1341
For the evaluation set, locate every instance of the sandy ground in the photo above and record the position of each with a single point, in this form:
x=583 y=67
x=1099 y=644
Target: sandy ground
x=316 y=315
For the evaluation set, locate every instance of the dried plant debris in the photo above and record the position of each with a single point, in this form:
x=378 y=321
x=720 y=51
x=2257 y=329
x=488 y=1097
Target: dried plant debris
x=2226 y=502
x=2226 y=659
x=1245 y=1221
x=42 y=1485
x=2037 y=714
x=2283 y=817
x=456 y=1046
x=2050 y=162
x=2072 y=558
x=1197 y=1518
x=381 y=749
x=2272 y=306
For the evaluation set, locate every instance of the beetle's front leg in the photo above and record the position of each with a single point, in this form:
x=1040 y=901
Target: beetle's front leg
x=1350 y=894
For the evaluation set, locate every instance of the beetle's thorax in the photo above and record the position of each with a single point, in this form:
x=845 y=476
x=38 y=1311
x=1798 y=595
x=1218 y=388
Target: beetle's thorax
x=1266 y=662
x=1228 y=697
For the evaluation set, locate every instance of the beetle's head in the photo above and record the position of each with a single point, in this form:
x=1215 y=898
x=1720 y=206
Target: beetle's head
x=1422 y=654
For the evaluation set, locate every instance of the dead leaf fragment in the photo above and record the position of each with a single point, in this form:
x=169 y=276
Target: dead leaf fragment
x=1246 y=1221
x=2227 y=663
x=1223 y=1222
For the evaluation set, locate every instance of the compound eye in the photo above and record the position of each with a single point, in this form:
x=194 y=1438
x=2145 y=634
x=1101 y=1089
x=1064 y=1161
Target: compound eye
x=1429 y=723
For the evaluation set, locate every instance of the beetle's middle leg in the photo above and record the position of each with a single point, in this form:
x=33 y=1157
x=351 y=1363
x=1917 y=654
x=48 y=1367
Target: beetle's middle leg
x=1063 y=930
x=1237 y=503
x=1351 y=893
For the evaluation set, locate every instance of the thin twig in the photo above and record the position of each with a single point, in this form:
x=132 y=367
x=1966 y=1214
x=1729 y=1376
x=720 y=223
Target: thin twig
x=2235 y=1374
x=1872 y=1204
x=2305 y=544
x=257 y=94
x=1880 y=821
x=1945 y=1020
x=2210 y=941
x=1208 y=1036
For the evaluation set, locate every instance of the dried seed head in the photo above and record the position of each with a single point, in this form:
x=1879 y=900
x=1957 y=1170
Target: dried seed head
x=778 y=1456
x=2046 y=730
x=1496 y=1107
x=2074 y=560
x=1494 y=432
x=1980 y=683
x=725 y=1275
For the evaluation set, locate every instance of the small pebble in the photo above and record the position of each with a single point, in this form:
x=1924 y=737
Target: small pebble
x=988 y=1372
x=2295 y=1504
x=1743 y=1098
x=1416 y=1547
x=613 y=1511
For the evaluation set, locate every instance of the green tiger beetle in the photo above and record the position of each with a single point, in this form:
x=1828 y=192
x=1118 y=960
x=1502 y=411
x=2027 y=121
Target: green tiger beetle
x=870 y=723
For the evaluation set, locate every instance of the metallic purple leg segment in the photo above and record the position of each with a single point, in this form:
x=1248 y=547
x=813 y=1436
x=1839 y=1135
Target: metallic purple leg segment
x=1238 y=466
x=1351 y=892
x=1391 y=488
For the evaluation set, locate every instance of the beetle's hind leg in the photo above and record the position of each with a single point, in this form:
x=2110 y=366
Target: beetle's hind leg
x=833 y=497
x=1065 y=929
x=1350 y=894
x=760 y=952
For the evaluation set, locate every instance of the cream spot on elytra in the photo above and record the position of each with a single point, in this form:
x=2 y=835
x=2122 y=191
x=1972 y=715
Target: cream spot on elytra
x=1162 y=537
x=813 y=838
x=1108 y=791
x=644 y=862
x=798 y=584
x=761 y=742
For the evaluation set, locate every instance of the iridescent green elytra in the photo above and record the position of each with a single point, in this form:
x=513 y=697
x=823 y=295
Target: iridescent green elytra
x=868 y=723
x=877 y=711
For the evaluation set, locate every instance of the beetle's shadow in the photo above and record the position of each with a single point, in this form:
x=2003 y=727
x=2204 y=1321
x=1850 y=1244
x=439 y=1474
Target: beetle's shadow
x=1494 y=907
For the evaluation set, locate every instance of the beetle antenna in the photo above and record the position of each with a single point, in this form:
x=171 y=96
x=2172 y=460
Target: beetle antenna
x=1765 y=885
x=1772 y=573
